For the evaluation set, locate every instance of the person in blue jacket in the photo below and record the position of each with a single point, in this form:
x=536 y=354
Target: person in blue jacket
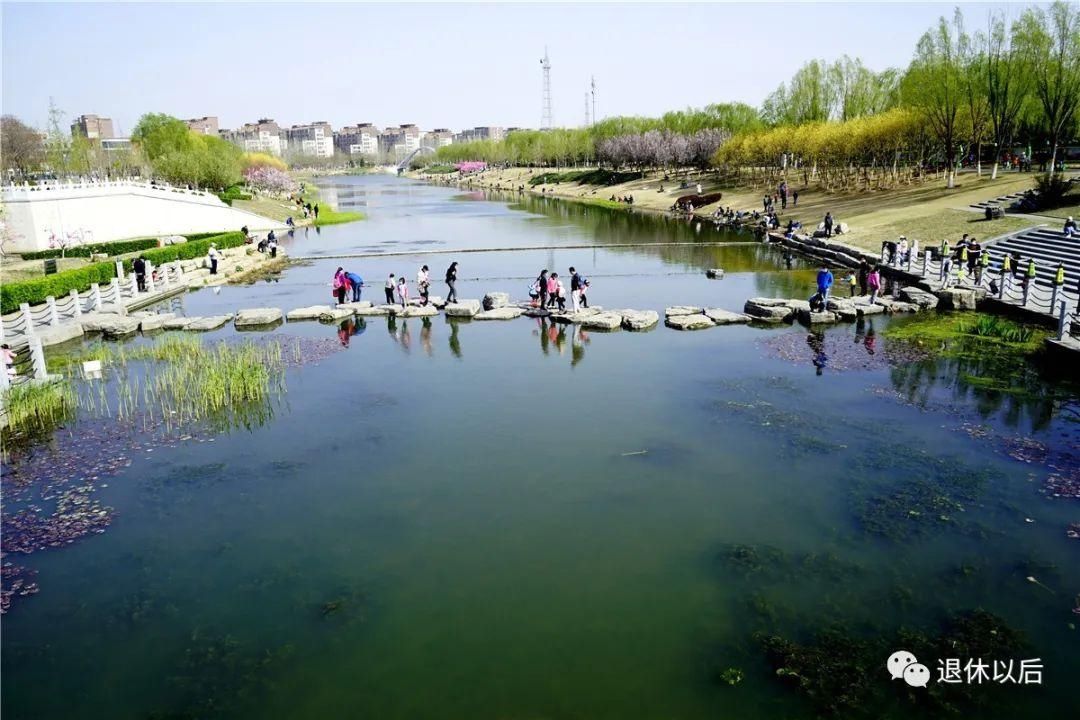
x=357 y=284
x=824 y=284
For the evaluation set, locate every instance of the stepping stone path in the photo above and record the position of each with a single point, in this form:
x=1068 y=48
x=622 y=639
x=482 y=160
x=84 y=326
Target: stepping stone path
x=689 y=322
x=501 y=313
x=374 y=310
x=204 y=324
x=416 y=311
x=495 y=300
x=152 y=321
x=725 y=317
x=602 y=321
x=462 y=308
x=682 y=310
x=313 y=312
x=257 y=316
x=638 y=320
x=334 y=314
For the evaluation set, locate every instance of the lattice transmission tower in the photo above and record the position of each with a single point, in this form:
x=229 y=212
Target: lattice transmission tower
x=545 y=120
x=592 y=82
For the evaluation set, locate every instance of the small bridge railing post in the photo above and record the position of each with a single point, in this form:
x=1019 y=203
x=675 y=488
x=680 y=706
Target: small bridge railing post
x=76 y=302
x=1062 y=313
x=54 y=315
x=37 y=357
x=28 y=319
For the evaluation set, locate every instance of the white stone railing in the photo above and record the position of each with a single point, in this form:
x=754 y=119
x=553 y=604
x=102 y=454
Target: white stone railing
x=99 y=188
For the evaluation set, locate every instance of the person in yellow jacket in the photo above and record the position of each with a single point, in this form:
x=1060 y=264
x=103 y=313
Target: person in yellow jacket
x=981 y=265
x=1006 y=264
x=944 y=249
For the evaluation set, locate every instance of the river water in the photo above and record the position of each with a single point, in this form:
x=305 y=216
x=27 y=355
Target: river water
x=517 y=520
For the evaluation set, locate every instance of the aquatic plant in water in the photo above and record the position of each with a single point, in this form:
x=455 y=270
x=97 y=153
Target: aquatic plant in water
x=37 y=406
x=843 y=674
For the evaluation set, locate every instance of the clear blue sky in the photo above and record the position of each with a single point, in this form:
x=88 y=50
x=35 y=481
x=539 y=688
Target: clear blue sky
x=437 y=65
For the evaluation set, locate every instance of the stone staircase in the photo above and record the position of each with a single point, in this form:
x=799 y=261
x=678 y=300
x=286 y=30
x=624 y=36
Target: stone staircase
x=1002 y=201
x=1049 y=247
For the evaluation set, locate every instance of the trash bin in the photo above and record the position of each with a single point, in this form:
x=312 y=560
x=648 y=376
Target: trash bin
x=50 y=266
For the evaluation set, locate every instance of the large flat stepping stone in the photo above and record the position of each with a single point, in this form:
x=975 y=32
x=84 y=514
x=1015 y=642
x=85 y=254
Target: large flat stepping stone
x=59 y=334
x=689 y=322
x=602 y=321
x=253 y=317
x=120 y=326
x=333 y=314
x=462 y=308
x=502 y=313
x=817 y=318
x=375 y=310
x=154 y=321
x=211 y=322
x=495 y=300
x=956 y=299
x=178 y=323
x=569 y=317
x=638 y=320
x=358 y=305
x=923 y=298
x=312 y=312
x=868 y=309
x=93 y=322
x=416 y=311
x=768 y=312
x=677 y=310
x=726 y=317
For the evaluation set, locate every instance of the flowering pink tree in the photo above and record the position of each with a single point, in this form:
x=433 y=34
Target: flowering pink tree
x=470 y=167
x=270 y=180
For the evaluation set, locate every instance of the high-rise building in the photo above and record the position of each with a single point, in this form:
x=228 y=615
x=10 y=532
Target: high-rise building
x=397 y=142
x=481 y=133
x=204 y=125
x=438 y=138
x=359 y=139
x=262 y=136
x=313 y=140
x=92 y=127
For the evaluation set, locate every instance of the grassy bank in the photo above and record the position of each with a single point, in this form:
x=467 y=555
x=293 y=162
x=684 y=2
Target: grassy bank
x=927 y=211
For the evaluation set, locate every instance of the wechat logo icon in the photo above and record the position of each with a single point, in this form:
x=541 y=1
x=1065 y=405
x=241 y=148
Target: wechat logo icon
x=902 y=664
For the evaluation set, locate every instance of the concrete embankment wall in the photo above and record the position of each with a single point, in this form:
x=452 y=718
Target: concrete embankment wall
x=41 y=217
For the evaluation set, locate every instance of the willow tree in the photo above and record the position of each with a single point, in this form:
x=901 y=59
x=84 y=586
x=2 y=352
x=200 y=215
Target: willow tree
x=973 y=77
x=1007 y=84
x=1050 y=43
x=934 y=85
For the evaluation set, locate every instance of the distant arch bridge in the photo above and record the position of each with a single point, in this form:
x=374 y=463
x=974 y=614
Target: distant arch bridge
x=422 y=150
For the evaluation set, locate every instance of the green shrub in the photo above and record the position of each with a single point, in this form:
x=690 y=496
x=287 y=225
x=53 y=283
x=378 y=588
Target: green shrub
x=191 y=249
x=1052 y=188
x=235 y=192
x=121 y=247
x=36 y=290
x=113 y=248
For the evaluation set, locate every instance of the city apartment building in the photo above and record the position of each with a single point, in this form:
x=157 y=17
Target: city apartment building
x=481 y=133
x=204 y=125
x=359 y=139
x=400 y=141
x=92 y=127
x=437 y=138
x=313 y=140
x=262 y=136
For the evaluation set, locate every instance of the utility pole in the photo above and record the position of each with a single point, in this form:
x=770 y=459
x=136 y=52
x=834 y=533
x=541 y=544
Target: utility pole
x=587 y=123
x=593 y=84
x=545 y=121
